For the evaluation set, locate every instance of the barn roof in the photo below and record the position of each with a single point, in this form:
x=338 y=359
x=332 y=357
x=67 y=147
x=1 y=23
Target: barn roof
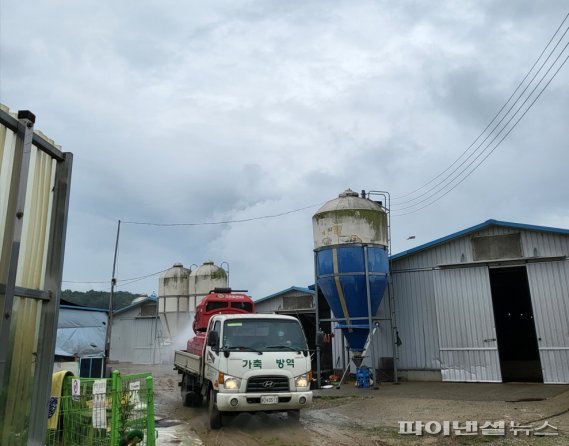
x=476 y=228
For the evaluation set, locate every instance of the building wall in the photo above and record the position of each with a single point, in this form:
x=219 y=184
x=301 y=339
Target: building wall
x=460 y=250
x=287 y=301
x=416 y=312
x=135 y=339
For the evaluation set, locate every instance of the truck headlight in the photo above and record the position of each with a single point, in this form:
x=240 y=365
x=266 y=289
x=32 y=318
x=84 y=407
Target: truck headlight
x=302 y=380
x=231 y=382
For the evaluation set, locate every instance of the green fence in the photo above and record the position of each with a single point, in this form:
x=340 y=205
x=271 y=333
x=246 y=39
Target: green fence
x=103 y=411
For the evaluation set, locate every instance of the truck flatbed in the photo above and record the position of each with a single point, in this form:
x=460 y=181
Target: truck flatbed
x=187 y=362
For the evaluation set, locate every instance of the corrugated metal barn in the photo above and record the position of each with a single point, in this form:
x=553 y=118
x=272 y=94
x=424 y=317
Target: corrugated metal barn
x=137 y=333
x=487 y=304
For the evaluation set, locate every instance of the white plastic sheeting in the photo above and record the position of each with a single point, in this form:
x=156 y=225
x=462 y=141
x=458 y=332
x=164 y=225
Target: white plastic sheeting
x=81 y=333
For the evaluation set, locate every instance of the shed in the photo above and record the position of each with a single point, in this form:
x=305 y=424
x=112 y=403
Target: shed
x=136 y=334
x=489 y=303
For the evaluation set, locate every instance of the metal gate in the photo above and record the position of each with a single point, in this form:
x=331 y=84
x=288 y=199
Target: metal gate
x=467 y=333
x=549 y=288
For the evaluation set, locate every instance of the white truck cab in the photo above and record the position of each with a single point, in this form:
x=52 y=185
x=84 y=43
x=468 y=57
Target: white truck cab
x=256 y=362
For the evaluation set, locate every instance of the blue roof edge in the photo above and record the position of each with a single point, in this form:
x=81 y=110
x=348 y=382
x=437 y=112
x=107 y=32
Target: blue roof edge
x=278 y=293
x=476 y=228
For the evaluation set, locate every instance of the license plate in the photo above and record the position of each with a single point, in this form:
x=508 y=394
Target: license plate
x=269 y=399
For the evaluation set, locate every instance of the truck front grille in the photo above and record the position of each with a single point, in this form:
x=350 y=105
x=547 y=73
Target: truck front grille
x=267 y=384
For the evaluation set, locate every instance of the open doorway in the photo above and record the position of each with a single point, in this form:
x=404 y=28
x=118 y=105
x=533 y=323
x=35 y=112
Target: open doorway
x=515 y=326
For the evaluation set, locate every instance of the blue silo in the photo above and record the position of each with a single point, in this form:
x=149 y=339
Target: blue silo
x=346 y=231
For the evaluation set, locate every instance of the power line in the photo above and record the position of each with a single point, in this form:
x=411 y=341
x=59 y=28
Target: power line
x=493 y=119
x=499 y=122
x=124 y=282
x=133 y=279
x=224 y=221
x=138 y=279
x=495 y=137
x=444 y=183
x=495 y=147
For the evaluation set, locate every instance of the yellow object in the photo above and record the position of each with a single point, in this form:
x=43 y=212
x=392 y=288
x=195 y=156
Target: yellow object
x=56 y=390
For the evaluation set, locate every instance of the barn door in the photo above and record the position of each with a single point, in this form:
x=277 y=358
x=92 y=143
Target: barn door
x=467 y=335
x=549 y=288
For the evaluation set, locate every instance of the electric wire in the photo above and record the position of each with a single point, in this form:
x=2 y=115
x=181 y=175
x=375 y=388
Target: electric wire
x=223 y=222
x=495 y=147
x=496 y=126
x=493 y=119
x=118 y=280
x=445 y=183
x=124 y=282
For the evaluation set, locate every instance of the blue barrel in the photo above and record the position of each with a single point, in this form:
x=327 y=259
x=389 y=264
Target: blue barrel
x=344 y=229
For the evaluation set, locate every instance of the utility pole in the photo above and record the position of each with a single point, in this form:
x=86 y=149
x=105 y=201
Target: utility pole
x=111 y=295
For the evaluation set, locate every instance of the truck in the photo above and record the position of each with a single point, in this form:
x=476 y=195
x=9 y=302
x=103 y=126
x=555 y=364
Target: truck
x=239 y=361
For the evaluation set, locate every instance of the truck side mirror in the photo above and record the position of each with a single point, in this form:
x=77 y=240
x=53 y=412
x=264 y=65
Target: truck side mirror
x=319 y=339
x=213 y=339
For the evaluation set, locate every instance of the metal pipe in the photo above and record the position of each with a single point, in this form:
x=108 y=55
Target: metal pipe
x=370 y=323
x=317 y=308
x=391 y=298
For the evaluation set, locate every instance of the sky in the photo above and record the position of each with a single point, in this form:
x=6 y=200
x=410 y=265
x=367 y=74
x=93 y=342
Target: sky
x=204 y=112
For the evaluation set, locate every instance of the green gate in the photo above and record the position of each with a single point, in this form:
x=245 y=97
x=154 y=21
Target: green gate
x=101 y=412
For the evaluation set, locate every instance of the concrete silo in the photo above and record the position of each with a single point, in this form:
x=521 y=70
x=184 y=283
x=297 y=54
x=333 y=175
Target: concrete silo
x=351 y=261
x=204 y=279
x=174 y=303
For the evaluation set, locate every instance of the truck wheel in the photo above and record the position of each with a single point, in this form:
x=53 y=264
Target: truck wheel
x=185 y=392
x=214 y=414
x=193 y=399
x=198 y=398
x=294 y=415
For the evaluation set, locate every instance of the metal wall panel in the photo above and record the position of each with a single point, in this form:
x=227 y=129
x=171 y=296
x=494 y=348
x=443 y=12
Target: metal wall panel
x=549 y=288
x=541 y=244
x=467 y=336
x=135 y=340
x=454 y=251
x=7 y=152
x=270 y=305
x=277 y=303
x=416 y=320
x=34 y=198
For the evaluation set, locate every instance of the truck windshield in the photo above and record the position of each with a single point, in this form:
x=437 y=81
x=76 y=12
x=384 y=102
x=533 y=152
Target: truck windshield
x=264 y=335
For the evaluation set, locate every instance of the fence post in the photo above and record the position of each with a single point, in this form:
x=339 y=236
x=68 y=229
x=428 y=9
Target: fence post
x=151 y=430
x=115 y=411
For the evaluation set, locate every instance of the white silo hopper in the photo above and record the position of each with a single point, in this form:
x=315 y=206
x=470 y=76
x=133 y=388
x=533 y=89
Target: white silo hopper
x=204 y=279
x=173 y=303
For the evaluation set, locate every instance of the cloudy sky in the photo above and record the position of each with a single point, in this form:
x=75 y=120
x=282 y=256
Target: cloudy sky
x=194 y=111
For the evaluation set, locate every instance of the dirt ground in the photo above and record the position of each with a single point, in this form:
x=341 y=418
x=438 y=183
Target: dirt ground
x=351 y=416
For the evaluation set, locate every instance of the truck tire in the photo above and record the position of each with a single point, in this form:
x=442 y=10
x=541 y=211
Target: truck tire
x=214 y=414
x=185 y=391
x=198 y=398
x=193 y=399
